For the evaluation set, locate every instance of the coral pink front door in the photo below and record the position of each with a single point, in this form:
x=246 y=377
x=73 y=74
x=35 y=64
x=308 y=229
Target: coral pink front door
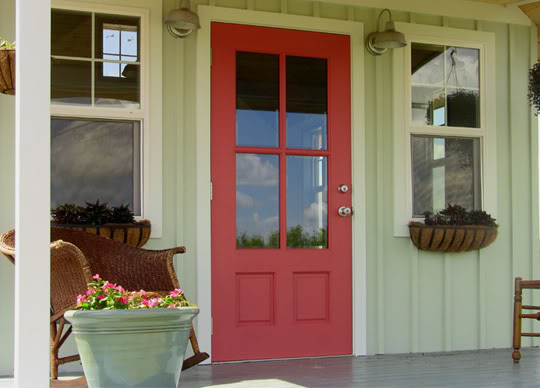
x=281 y=169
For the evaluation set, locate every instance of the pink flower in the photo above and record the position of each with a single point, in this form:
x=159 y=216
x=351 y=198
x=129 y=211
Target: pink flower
x=90 y=292
x=123 y=299
x=177 y=292
x=101 y=297
x=80 y=299
x=171 y=306
x=142 y=292
x=119 y=288
x=96 y=277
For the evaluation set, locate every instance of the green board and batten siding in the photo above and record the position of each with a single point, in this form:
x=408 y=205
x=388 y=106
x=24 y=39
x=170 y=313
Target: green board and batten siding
x=417 y=301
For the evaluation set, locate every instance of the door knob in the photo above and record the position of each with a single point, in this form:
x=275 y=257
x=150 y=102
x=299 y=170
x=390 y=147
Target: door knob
x=345 y=211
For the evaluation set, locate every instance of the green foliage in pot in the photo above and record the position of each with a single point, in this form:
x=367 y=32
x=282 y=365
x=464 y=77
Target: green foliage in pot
x=93 y=214
x=7 y=45
x=534 y=87
x=457 y=215
x=102 y=295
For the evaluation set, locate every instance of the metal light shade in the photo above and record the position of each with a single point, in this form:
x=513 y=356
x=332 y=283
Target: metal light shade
x=389 y=38
x=379 y=41
x=182 y=21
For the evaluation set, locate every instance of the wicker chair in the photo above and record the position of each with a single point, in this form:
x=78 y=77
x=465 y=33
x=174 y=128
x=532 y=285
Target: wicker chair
x=133 y=268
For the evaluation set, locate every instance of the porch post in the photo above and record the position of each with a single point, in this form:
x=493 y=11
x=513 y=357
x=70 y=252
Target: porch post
x=32 y=193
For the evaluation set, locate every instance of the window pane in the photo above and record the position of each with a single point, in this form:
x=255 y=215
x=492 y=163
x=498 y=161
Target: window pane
x=445 y=86
x=117 y=84
x=117 y=35
x=427 y=66
x=70 y=82
x=307 y=202
x=71 y=33
x=96 y=159
x=257 y=99
x=428 y=105
x=257 y=201
x=445 y=171
x=307 y=109
x=462 y=67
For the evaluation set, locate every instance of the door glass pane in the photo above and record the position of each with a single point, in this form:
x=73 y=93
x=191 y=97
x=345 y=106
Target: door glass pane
x=71 y=33
x=307 y=108
x=307 y=202
x=96 y=160
x=70 y=82
x=257 y=201
x=446 y=170
x=257 y=99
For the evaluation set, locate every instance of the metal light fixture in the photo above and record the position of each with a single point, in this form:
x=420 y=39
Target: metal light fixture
x=379 y=41
x=182 y=21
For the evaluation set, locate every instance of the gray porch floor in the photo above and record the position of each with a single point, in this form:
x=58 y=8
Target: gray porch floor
x=487 y=368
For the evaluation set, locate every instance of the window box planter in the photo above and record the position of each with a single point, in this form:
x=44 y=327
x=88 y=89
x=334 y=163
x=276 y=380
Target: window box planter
x=132 y=348
x=136 y=234
x=451 y=238
x=7 y=71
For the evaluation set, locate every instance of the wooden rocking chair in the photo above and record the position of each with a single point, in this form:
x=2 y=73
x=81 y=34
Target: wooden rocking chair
x=133 y=268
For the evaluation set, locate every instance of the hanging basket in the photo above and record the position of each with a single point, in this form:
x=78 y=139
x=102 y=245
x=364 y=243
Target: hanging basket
x=7 y=71
x=451 y=238
x=136 y=234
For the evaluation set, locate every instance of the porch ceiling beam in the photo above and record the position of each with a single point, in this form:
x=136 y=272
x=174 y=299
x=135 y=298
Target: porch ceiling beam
x=467 y=9
x=32 y=193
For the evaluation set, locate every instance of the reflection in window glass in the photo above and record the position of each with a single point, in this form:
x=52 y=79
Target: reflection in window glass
x=123 y=91
x=257 y=99
x=307 y=108
x=307 y=202
x=71 y=33
x=445 y=86
x=257 y=201
x=96 y=159
x=446 y=170
x=71 y=82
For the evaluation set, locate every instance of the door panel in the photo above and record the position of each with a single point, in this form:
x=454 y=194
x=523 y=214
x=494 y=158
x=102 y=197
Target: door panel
x=281 y=254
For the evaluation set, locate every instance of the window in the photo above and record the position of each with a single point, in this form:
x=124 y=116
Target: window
x=99 y=117
x=444 y=122
x=445 y=92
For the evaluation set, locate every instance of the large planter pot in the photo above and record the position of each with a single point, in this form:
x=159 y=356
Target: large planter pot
x=451 y=238
x=132 y=348
x=7 y=71
x=136 y=234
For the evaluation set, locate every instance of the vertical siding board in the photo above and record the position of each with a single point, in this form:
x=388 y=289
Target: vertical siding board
x=482 y=322
x=414 y=285
x=381 y=285
x=299 y=7
x=498 y=270
x=375 y=313
x=431 y=301
x=447 y=303
x=316 y=9
x=520 y=155
x=533 y=141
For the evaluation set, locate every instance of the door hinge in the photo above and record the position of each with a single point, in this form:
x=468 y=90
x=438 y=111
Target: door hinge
x=211 y=191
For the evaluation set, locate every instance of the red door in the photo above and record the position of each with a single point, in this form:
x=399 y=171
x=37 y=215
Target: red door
x=281 y=148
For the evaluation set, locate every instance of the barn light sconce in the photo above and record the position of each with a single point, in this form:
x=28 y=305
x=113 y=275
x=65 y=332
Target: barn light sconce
x=379 y=42
x=182 y=21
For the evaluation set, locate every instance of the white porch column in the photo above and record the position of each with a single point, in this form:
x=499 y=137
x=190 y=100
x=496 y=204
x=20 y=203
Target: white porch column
x=32 y=193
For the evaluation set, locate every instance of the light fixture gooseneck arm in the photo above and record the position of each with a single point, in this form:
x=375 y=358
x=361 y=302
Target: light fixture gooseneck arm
x=379 y=19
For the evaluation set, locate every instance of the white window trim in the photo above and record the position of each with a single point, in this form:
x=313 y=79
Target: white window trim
x=485 y=42
x=150 y=112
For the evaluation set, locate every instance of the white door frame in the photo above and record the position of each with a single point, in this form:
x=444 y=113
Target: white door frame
x=355 y=30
